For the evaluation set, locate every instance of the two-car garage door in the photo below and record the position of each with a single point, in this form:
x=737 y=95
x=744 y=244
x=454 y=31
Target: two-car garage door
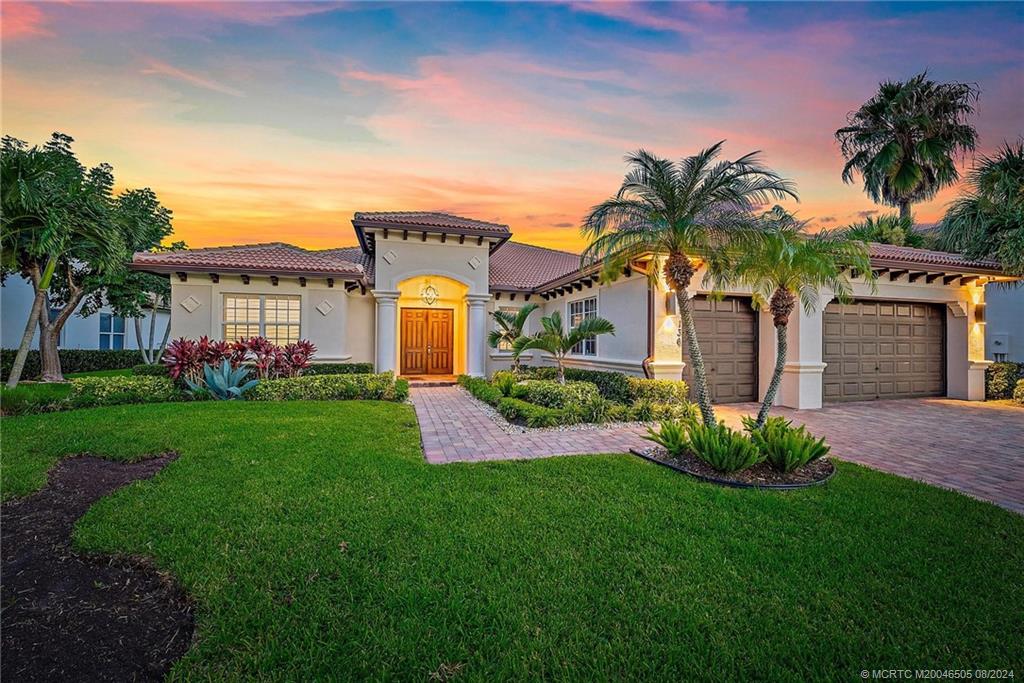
x=884 y=349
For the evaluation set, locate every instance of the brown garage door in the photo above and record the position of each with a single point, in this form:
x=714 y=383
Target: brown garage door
x=884 y=349
x=727 y=332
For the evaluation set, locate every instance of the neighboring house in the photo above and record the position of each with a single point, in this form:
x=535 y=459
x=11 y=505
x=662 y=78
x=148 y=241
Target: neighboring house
x=1004 y=323
x=101 y=330
x=415 y=295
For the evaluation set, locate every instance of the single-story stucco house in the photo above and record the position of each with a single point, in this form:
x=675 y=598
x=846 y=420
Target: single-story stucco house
x=415 y=297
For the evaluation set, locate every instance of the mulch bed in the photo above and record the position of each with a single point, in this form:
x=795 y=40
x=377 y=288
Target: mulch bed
x=758 y=476
x=69 y=616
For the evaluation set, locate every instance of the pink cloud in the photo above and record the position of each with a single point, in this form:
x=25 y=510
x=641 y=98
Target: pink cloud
x=638 y=15
x=23 y=20
x=156 y=67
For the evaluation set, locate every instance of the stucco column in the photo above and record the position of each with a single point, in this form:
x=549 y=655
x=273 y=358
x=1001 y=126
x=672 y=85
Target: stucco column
x=476 y=335
x=387 y=334
x=804 y=371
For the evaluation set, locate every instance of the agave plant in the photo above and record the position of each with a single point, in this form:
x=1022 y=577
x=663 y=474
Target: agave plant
x=223 y=382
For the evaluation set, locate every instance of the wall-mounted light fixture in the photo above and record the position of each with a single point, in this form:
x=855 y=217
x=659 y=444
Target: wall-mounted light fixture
x=979 y=314
x=671 y=305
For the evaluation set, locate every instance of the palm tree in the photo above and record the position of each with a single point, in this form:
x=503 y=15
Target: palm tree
x=510 y=328
x=559 y=343
x=904 y=139
x=889 y=228
x=987 y=219
x=682 y=210
x=787 y=263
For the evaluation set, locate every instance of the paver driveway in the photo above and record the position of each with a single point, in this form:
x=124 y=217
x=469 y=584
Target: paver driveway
x=977 y=448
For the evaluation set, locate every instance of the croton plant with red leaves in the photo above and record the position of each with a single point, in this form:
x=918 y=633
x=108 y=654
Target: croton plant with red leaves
x=185 y=358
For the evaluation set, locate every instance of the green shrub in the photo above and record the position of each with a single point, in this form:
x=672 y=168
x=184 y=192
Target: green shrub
x=618 y=412
x=551 y=394
x=481 y=389
x=672 y=435
x=146 y=370
x=784 y=446
x=1018 y=392
x=339 y=369
x=71 y=361
x=1000 y=379
x=657 y=390
x=401 y=390
x=107 y=391
x=344 y=387
x=726 y=450
x=505 y=382
x=613 y=386
x=515 y=410
x=651 y=411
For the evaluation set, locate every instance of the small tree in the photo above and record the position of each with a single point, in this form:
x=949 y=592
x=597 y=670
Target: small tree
x=685 y=210
x=987 y=219
x=886 y=229
x=510 y=327
x=787 y=264
x=559 y=343
x=54 y=213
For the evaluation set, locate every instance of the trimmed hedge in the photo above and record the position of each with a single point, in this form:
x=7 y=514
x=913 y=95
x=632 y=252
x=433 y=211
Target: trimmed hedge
x=513 y=409
x=87 y=392
x=72 y=360
x=339 y=369
x=144 y=370
x=613 y=386
x=481 y=389
x=551 y=394
x=657 y=390
x=377 y=387
x=1000 y=380
x=1018 y=392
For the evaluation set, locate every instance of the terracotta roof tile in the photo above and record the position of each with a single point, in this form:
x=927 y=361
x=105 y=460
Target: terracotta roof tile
x=523 y=266
x=430 y=219
x=926 y=257
x=355 y=255
x=274 y=257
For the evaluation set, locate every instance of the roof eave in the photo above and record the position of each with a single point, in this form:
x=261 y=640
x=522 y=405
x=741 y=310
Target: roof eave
x=892 y=263
x=166 y=269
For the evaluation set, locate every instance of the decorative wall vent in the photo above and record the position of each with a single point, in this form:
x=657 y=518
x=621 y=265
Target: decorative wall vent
x=474 y=263
x=390 y=257
x=190 y=304
x=324 y=307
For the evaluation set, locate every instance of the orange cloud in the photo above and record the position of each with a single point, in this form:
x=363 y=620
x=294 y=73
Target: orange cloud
x=162 y=68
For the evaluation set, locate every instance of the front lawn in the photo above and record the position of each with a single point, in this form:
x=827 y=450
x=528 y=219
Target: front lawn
x=319 y=545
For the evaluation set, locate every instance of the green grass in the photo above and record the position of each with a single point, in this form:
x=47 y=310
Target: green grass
x=27 y=395
x=319 y=545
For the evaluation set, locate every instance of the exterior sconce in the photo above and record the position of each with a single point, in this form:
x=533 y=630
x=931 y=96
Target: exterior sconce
x=671 y=305
x=979 y=314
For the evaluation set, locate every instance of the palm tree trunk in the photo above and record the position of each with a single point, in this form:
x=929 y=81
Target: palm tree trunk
x=905 y=210
x=561 y=370
x=26 y=340
x=773 y=386
x=700 y=378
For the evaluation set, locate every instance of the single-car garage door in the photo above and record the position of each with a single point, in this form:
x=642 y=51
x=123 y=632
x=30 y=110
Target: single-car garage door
x=727 y=332
x=884 y=349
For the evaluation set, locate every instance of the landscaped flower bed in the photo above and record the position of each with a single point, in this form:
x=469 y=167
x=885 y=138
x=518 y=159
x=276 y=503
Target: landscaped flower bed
x=774 y=455
x=534 y=398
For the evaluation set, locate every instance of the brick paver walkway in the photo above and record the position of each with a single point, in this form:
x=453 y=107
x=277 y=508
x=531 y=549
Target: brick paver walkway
x=977 y=448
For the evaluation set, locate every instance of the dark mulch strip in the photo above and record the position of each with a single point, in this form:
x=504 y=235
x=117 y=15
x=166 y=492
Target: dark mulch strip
x=68 y=616
x=760 y=475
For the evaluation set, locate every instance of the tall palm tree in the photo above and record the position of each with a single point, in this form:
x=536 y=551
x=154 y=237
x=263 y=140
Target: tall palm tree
x=889 y=228
x=682 y=210
x=904 y=140
x=510 y=328
x=987 y=219
x=555 y=340
x=787 y=264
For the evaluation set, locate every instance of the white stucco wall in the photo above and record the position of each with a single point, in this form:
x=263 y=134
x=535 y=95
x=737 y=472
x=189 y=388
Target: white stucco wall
x=79 y=332
x=1004 y=326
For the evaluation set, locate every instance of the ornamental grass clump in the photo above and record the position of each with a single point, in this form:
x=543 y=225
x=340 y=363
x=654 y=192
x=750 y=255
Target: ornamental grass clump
x=672 y=435
x=785 y=447
x=724 y=449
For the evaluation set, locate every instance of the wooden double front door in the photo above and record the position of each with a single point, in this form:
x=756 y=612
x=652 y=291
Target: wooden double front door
x=427 y=338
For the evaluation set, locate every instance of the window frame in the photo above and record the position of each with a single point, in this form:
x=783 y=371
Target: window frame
x=582 y=301
x=110 y=332
x=261 y=323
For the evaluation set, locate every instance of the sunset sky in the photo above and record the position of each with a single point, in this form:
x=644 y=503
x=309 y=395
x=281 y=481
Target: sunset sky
x=276 y=121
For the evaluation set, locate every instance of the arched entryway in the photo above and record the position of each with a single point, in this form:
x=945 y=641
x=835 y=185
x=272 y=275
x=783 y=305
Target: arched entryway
x=432 y=322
